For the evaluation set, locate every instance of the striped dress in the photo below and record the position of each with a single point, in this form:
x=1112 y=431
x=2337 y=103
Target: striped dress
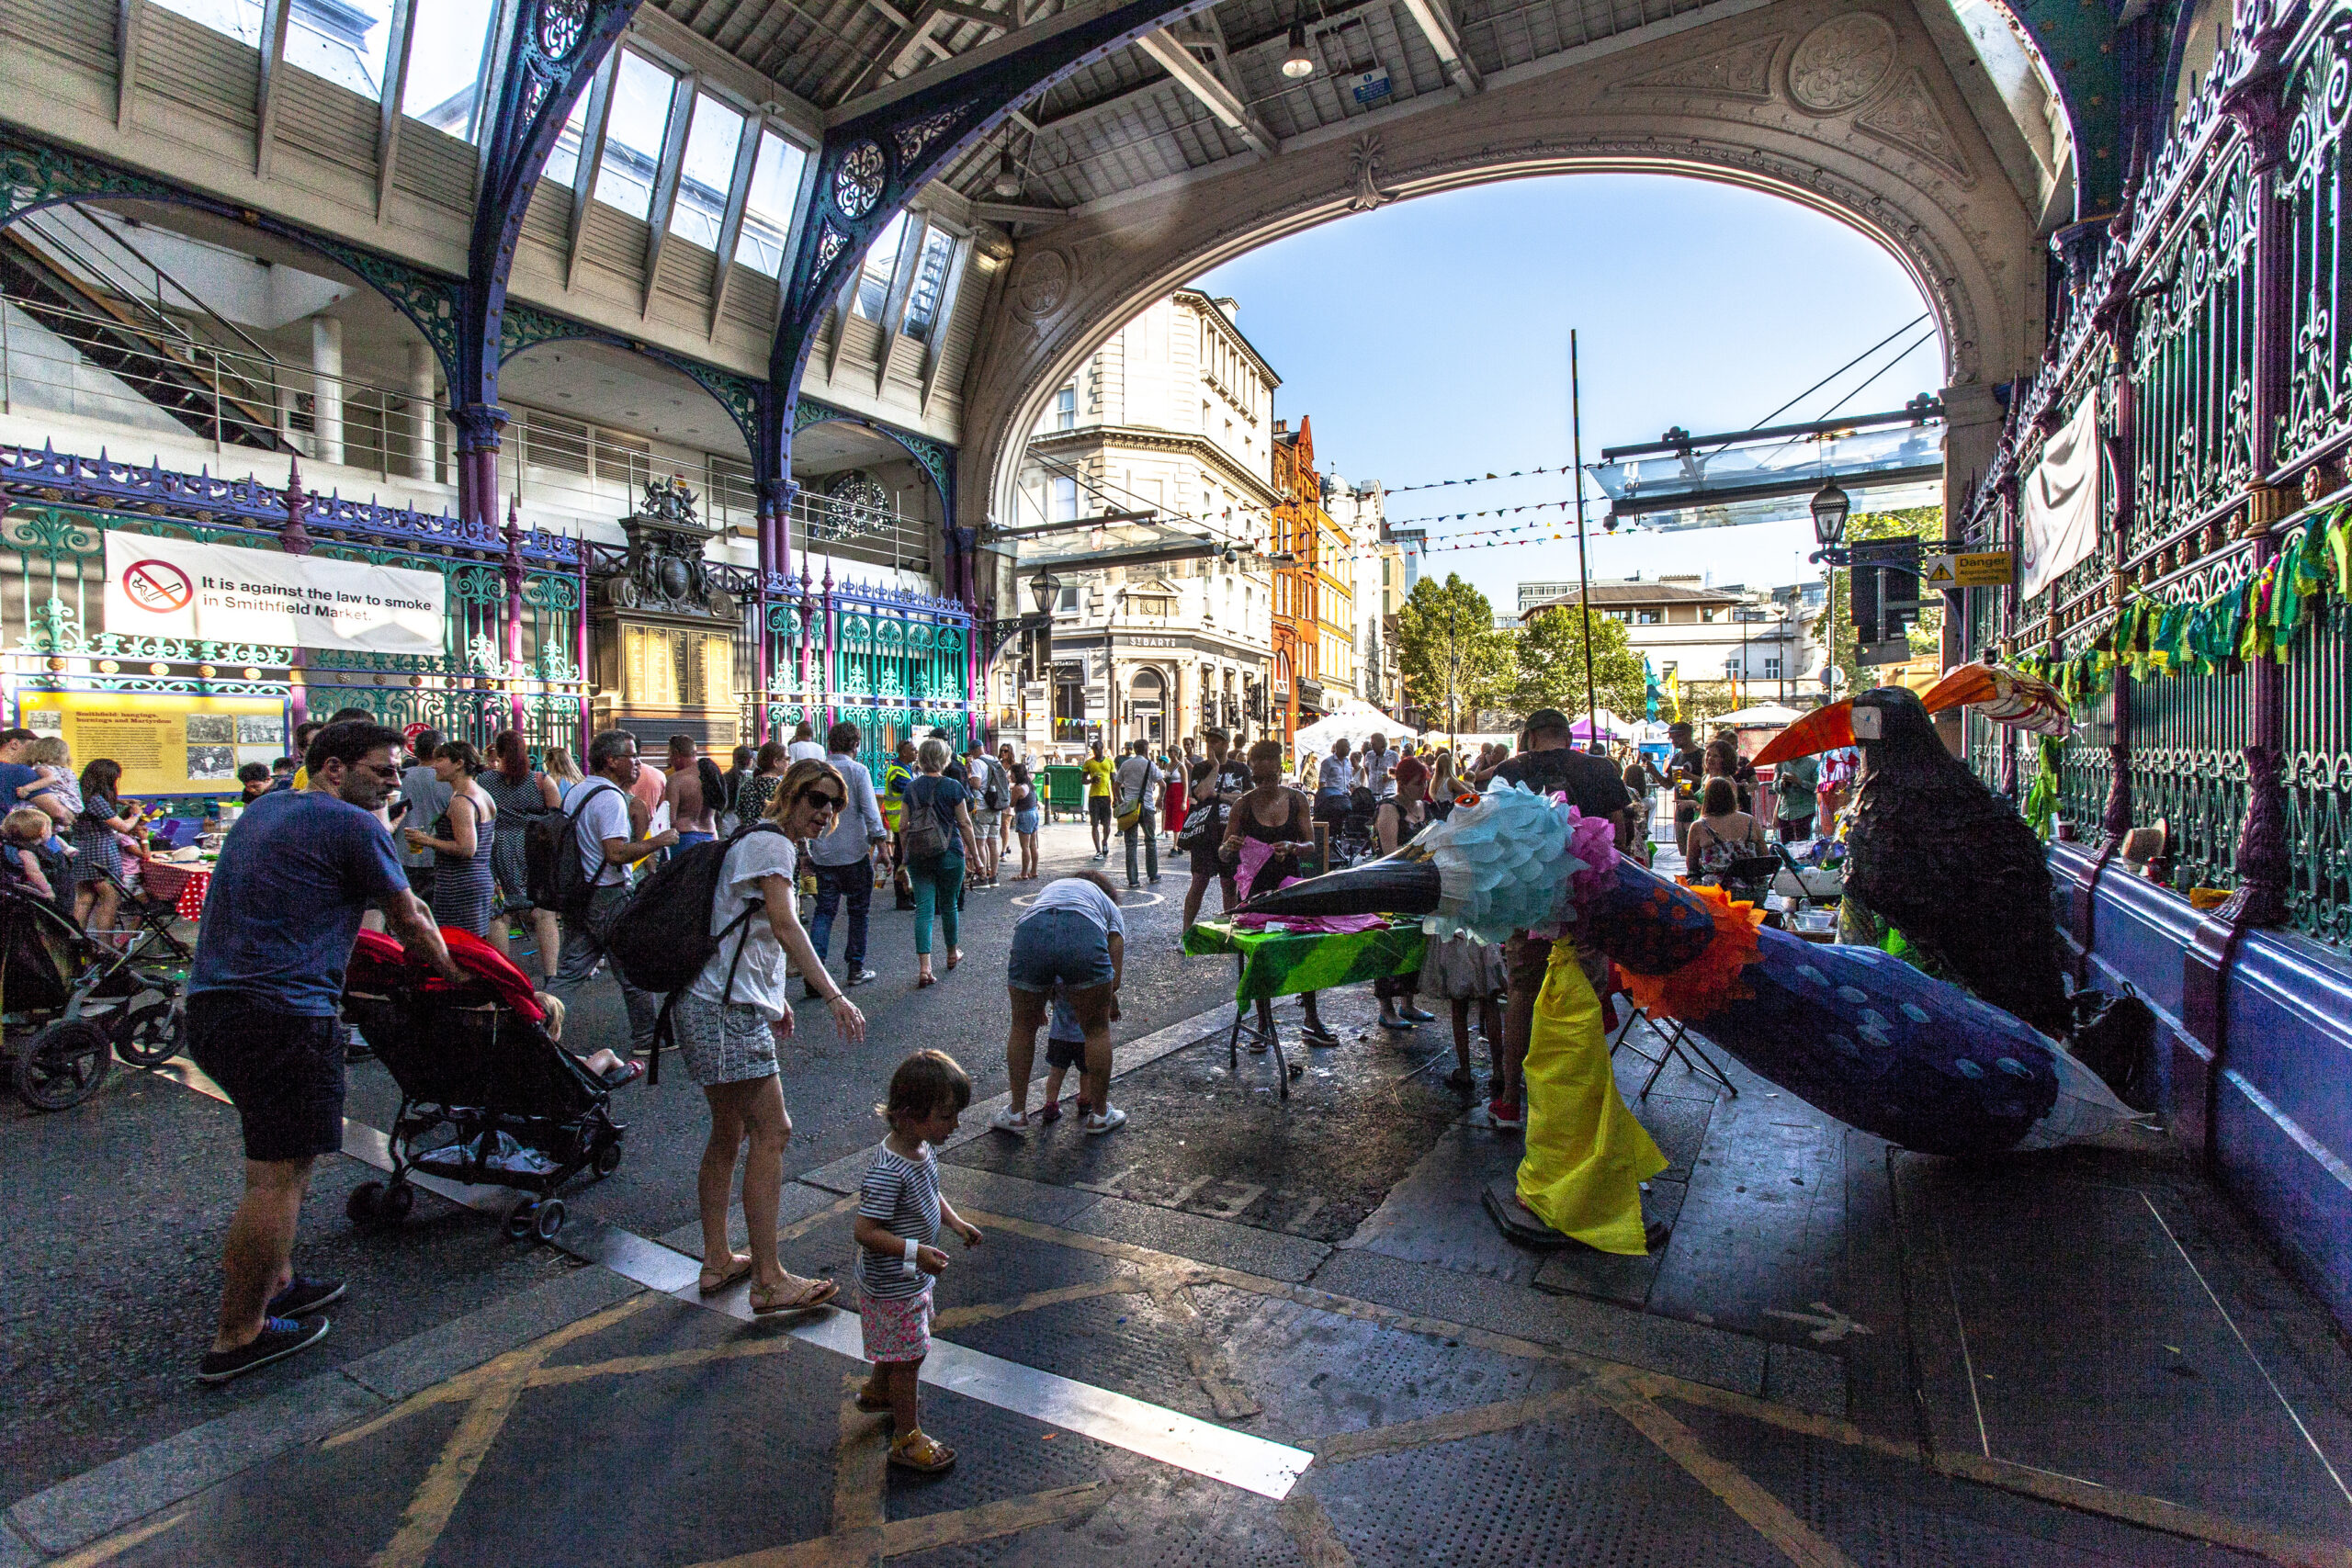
x=464 y=894
x=516 y=802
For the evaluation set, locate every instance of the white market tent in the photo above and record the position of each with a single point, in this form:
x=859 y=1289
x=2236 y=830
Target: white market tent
x=1356 y=722
x=1764 y=715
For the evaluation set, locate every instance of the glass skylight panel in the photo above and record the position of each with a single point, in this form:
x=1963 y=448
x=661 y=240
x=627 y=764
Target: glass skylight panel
x=881 y=261
x=767 y=215
x=633 y=132
x=926 y=299
x=444 y=64
x=563 y=164
x=241 y=19
x=706 y=171
x=343 y=41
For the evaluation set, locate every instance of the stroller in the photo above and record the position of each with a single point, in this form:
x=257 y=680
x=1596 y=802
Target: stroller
x=73 y=1005
x=487 y=1095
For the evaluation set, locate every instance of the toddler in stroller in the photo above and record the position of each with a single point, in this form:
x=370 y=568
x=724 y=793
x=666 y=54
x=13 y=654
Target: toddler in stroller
x=487 y=1095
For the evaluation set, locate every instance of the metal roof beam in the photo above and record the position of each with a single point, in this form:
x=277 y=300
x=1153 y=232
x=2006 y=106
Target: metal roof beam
x=1169 y=53
x=1436 y=22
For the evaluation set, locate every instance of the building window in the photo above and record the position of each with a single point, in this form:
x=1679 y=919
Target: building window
x=706 y=173
x=1772 y=668
x=1066 y=409
x=1068 y=604
x=444 y=60
x=1646 y=617
x=768 y=212
x=928 y=297
x=881 y=261
x=633 y=135
x=1064 y=508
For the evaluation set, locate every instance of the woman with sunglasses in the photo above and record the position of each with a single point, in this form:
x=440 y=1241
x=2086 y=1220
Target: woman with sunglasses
x=731 y=1020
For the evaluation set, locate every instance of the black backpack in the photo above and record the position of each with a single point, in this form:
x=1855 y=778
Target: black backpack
x=662 y=937
x=552 y=877
x=922 y=838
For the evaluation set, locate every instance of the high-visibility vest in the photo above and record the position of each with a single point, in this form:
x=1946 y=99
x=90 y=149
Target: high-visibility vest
x=894 y=786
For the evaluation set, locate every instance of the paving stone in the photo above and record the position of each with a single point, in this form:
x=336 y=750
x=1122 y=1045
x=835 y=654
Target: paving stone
x=402 y=1369
x=114 y=1495
x=1806 y=1379
x=1013 y=1197
x=1690 y=1350
x=1204 y=1240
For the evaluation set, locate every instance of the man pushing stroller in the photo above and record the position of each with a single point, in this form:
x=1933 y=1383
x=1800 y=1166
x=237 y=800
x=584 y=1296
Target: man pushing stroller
x=279 y=921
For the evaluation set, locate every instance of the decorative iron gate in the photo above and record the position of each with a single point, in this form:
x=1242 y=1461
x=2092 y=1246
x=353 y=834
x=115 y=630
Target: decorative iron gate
x=512 y=642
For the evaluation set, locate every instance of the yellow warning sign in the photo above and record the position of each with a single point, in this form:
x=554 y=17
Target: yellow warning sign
x=1981 y=568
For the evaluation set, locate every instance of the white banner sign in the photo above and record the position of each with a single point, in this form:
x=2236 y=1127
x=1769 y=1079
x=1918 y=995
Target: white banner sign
x=2060 y=528
x=222 y=593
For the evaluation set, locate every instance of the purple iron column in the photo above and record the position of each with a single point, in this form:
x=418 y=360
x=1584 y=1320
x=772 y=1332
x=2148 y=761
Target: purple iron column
x=513 y=641
x=295 y=540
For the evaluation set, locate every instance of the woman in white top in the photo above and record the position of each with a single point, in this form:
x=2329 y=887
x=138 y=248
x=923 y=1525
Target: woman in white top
x=730 y=1020
x=1074 y=937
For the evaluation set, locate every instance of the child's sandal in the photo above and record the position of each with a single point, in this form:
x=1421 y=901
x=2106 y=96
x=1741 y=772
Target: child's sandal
x=919 y=1452
x=871 y=1405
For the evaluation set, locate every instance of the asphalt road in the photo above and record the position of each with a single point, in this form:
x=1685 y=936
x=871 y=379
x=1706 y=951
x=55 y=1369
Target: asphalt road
x=111 y=1213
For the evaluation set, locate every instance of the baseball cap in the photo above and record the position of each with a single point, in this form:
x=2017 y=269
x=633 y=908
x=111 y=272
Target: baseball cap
x=1543 y=719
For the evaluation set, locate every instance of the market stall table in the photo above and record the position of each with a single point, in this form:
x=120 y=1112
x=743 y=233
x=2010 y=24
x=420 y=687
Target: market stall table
x=1279 y=963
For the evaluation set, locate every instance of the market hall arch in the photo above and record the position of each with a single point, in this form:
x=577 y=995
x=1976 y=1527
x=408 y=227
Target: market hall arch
x=1845 y=108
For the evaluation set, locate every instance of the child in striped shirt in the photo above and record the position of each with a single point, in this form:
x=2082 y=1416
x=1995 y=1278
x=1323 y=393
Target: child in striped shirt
x=899 y=1211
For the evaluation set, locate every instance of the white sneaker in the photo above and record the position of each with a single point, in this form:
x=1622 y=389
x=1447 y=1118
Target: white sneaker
x=1111 y=1121
x=1008 y=1119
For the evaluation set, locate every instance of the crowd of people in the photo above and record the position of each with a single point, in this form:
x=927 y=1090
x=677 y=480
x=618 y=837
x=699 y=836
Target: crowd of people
x=424 y=835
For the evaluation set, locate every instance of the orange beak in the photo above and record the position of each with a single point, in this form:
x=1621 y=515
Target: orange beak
x=1962 y=684
x=1820 y=730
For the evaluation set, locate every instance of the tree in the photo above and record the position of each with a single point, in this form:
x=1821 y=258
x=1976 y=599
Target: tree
x=1926 y=637
x=1453 y=661
x=1550 y=657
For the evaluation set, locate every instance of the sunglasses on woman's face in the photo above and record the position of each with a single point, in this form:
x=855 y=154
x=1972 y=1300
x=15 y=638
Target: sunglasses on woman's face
x=823 y=801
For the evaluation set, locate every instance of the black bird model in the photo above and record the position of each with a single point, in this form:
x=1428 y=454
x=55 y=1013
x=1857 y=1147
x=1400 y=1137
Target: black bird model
x=1944 y=860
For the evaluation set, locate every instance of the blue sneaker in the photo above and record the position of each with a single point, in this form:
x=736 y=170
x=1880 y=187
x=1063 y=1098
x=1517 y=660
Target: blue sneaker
x=279 y=1338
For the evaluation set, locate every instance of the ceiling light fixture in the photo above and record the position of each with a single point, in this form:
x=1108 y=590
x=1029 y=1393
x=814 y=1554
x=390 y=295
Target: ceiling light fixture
x=1298 y=64
x=1008 y=175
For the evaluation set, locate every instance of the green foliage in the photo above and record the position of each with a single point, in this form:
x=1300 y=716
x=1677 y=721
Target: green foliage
x=1926 y=636
x=1452 y=657
x=1550 y=658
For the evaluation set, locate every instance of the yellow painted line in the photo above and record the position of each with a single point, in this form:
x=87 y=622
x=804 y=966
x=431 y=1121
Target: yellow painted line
x=444 y=1487
x=1477 y=1421
x=1766 y=1515
x=905 y=1537
x=1310 y=1530
x=801 y=1227
x=988 y=1312
x=518 y=1362
x=2083 y=1496
x=114 y=1545
x=663 y=1361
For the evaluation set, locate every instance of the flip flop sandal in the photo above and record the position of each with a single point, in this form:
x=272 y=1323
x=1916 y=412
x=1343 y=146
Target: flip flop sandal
x=919 y=1452
x=811 y=1294
x=735 y=1274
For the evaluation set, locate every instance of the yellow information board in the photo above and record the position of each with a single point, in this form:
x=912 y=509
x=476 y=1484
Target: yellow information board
x=167 y=744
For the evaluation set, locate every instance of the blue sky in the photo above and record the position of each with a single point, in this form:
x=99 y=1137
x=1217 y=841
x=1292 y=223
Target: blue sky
x=1429 y=339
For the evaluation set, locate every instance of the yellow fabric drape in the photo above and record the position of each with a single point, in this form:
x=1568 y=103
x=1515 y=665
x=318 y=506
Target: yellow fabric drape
x=1586 y=1157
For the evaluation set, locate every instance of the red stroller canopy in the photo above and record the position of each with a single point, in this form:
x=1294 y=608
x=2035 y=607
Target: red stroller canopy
x=380 y=962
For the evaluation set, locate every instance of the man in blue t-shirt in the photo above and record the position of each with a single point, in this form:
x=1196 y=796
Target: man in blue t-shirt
x=296 y=874
x=14 y=771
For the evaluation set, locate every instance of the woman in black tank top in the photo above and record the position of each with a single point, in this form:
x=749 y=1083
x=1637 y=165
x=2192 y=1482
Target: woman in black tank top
x=1292 y=824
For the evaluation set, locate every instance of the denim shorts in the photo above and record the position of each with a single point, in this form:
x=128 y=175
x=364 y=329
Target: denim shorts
x=1025 y=820
x=1062 y=945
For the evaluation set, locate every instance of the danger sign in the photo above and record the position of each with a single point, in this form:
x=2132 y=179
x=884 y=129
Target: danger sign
x=1981 y=568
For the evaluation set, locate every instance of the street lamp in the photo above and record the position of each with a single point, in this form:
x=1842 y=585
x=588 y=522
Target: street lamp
x=1830 y=506
x=1043 y=588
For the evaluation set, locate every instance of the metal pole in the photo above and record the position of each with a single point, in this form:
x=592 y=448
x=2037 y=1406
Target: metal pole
x=1584 y=575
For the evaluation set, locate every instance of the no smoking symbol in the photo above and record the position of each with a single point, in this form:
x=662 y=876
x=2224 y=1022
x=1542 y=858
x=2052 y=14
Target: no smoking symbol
x=157 y=586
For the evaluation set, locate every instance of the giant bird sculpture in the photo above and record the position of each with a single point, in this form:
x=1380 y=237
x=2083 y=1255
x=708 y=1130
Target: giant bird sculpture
x=1938 y=856
x=1861 y=1035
